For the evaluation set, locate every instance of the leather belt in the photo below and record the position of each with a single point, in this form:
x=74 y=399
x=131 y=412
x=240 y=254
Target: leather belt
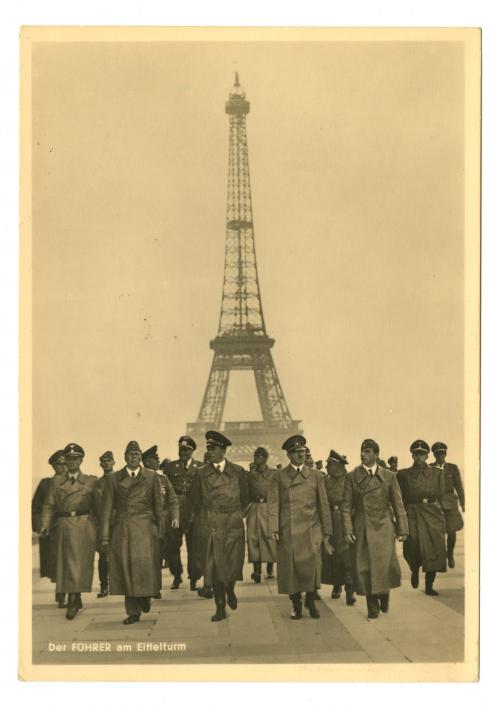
x=261 y=500
x=335 y=507
x=424 y=500
x=71 y=514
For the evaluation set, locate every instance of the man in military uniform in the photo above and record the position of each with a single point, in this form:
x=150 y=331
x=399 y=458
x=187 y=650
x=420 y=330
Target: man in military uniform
x=260 y=545
x=299 y=520
x=106 y=461
x=218 y=499
x=422 y=487
x=393 y=463
x=47 y=544
x=309 y=458
x=71 y=500
x=371 y=499
x=180 y=473
x=134 y=547
x=170 y=501
x=453 y=491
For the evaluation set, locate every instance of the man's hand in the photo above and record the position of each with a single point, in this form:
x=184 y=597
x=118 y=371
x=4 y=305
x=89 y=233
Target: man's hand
x=175 y=523
x=43 y=533
x=275 y=535
x=328 y=546
x=462 y=509
x=350 y=538
x=403 y=537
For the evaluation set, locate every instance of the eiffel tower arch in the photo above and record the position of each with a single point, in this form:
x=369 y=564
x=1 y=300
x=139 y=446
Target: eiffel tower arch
x=242 y=342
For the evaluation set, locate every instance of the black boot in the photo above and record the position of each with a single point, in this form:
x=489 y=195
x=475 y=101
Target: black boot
x=384 y=601
x=73 y=602
x=205 y=591
x=372 y=606
x=297 y=612
x=270 y=570
x=310 y=604
x=451 y=542
x=176 y=582
x=257 y=572
x=414 y=580
x=60 y=599
x=219 y=599
x=336 y=592
x=193 y=585
x=429 y=582
x=231 y=597
x=104 y=590
x=350 y=598
x=132 y=619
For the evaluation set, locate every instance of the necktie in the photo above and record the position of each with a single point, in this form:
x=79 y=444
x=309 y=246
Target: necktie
x=133 y=474
x=72 y=480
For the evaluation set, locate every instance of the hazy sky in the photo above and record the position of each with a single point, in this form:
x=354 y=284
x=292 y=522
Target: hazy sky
x=357 y=172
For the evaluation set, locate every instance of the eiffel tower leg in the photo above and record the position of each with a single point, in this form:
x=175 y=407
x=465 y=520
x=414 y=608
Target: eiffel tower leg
x=213 y=403
x=272 y=401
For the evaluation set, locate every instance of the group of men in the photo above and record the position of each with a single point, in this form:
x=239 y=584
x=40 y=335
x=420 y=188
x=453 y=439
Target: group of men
x=337 y=528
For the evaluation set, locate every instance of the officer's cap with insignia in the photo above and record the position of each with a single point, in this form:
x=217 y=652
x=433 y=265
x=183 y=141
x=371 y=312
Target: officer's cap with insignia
x=187 y=442
x=213 y=438
x=439 y=445
x=73 y=449
x=57 y=457
x=261 y=451
x=369 y=443
x=419 y=447
x=107 y=456
x=132 y=446
x=150 y=453
x=294 y=443
x=392 y=459
x=335 y=457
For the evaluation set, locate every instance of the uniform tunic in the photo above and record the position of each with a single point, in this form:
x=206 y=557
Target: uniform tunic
x=47 y=544
x=75 y=535
x=298 y=510
x=336 y=568
x=134 y=553
x=367 y=510
x=422 y=489
x=261 y=547
x=218 y=500
x=180 y=477
x=453 y=490
x=170 y=502
x=99 y=494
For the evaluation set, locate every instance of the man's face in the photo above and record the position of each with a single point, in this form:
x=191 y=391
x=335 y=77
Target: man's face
x=133 y=458
x=369 y=456
x=185 y=453
x=298 y=456
x=107 y=465
x=153 y=462
x=393 y=463
x=440 y=456
x=59 y=467
x=420 y=458
x=259 y=459
x=216 y=453
x=73 y=462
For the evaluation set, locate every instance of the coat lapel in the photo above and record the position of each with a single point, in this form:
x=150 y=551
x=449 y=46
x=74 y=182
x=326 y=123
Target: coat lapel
x=297 y=478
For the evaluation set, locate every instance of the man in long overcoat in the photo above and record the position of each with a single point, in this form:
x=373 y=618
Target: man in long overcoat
x=219 y=498
x=422 y=487
x=134 y=552
x=107 y=462
x=260 y=545
x=453 y=491
x=371 y=499
x=299 y=519
x=180 y=473
x=337 y=566
x=47 y=544
x=71 y=502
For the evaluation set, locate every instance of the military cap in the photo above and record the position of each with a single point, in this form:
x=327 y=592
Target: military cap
x=294 y=443
x=262 y=451
x=187 y=442
x=439 y=445
x=419 y=447
x=164 y=463
x=150 y=453
x=56 y=457
x=132 y=445
x=392 y=459
x=382 y=463
x=73 y=449
x=369 y=443
x=217 y=439
x=335 y=457
x=106 y=456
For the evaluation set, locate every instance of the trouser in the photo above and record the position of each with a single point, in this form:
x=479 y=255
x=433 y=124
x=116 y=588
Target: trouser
x=258 y=567
x=174 y=544
x=59 y=596
x=296 y=597
x=451 y=543
x=134 y=605
x=372 y=604
x=103 y=567
x=221 y=590
x=430 y=576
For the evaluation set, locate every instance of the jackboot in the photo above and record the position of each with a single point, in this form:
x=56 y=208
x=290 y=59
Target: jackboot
x=297 y=612
x=336 y=592
x=104 y=590
x=372 y=606
x=73 y=602
x=231 y=598
x=350 y=598
x=176 y=582
x=60 y=599
x=414 y=579
x=451 y=542
x=205 y=591
x=429 y=582
x=257 y=572
x=219 y=599
x=270 y=570
x=310 y=604
x=384 y=601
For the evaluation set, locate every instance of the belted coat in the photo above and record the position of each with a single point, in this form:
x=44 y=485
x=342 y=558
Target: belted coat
x=134 y=551
x=180 y=477
x=260 y=545
x=297 y=508
x=218 y=500
x=74 y=535
x=453 y=491
x=47 y=544
x=336 y=566
x=370 y=505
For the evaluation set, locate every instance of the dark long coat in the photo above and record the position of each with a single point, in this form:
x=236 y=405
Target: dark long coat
x=47 y=544
x=297 y=509
x=453 y=491
x=367 y=510
x=180 y=477
x=426 y=544
x=261 y=546
x=75 y=535
x=99 y=495
x=134 y=553
x=218 y=500
x=170 y=502
x=336 y=567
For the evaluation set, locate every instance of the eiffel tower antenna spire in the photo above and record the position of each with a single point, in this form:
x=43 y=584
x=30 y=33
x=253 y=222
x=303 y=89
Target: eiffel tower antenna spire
x=242 y=342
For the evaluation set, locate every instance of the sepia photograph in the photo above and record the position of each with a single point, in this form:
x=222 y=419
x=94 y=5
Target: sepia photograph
x=250 y=320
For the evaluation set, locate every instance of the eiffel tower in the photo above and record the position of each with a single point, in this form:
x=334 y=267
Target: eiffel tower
x=242 y=342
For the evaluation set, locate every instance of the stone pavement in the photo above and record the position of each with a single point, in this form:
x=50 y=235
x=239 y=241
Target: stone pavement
x=178 y=629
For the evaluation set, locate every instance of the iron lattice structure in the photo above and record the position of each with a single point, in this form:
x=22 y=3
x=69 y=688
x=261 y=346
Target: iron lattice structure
x=242 y=342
